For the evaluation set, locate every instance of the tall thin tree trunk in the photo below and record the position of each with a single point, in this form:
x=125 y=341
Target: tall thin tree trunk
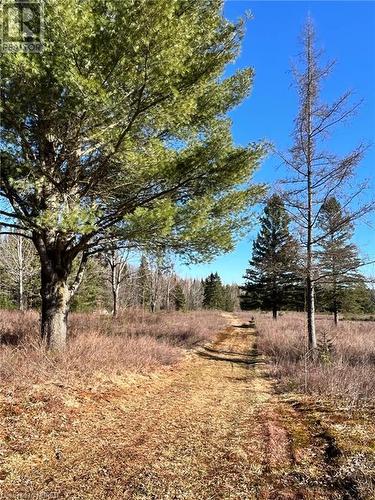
x=21 y=301
x=310 y=292
x=335 y=301
x=20 y=272
x=112 y=264
x=115 y=301
x=168 y=304
x=335 y=308
x=274 y=299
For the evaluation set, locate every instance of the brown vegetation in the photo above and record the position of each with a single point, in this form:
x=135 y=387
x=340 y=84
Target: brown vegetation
x=135 y=341
x=346 y=361
x=211 y=426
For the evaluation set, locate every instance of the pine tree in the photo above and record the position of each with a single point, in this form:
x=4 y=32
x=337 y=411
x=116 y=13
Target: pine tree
x=338 y=257
x=271 y=276
x=179 y=298
x=230 y=298
x=213 y=292
x=359 y=299
x=93 y=293
x=89 y=128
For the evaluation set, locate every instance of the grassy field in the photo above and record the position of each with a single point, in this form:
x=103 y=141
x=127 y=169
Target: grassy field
x=346 y=361
x=185 y=406
x=137 y=341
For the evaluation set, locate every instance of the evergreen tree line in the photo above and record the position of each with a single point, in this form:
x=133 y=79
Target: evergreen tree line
x=219 y=296
x=275 y=279
x=112 y=283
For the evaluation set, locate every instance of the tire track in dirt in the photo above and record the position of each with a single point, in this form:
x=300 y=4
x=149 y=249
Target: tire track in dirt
x=212 y=428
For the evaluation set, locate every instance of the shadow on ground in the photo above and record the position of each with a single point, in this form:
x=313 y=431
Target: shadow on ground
x=249 y=358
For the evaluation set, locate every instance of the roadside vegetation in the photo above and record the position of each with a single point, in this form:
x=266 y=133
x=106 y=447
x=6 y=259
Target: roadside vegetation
x=137 y=341
x=346 y=356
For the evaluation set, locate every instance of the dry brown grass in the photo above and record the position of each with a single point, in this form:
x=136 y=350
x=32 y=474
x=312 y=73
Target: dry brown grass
x=136 y=341
x=209 y=427
x=348 y=371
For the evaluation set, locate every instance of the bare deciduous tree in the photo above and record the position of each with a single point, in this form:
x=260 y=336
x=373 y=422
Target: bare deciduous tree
x=18 y=261
x=116 y=261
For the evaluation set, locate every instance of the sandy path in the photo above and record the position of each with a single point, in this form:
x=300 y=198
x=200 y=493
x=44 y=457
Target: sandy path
x=209 y=429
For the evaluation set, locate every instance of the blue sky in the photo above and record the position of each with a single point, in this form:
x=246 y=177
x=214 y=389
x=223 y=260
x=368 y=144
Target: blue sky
x=346 y=31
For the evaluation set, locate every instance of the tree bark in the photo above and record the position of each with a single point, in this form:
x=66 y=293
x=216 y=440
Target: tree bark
x=310 y=295
x=55 y=308
x=335 y=304
x=115 y=302
x=335 y=310
x=56 y=294
x=275 y=301
x=20 y=272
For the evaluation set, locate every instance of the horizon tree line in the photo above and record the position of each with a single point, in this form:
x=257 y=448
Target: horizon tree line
x=112 y=283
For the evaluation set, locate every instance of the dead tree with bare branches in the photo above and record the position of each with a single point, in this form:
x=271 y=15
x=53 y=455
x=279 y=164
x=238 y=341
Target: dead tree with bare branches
x=318 y=174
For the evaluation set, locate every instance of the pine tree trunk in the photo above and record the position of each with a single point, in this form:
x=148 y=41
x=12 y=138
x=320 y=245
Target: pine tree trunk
x=335 y=312
x=55 y=309
x=55 y=293
x=335 y=317
x=274 y=299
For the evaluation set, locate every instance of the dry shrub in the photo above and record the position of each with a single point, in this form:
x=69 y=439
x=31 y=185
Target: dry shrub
x=135 y=341
x=176 y=328
x=16 y=326
x=347 y=371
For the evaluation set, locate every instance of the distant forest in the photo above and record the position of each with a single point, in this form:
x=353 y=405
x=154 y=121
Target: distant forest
x=111 y=283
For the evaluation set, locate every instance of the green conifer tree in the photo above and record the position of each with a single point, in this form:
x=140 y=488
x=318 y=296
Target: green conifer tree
x=338 y=258
x=144 y=284
x=271 y=277
x=213 y=292
x=179 y=298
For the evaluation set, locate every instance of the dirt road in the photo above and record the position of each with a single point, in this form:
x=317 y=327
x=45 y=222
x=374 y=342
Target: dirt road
x=211 y=428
